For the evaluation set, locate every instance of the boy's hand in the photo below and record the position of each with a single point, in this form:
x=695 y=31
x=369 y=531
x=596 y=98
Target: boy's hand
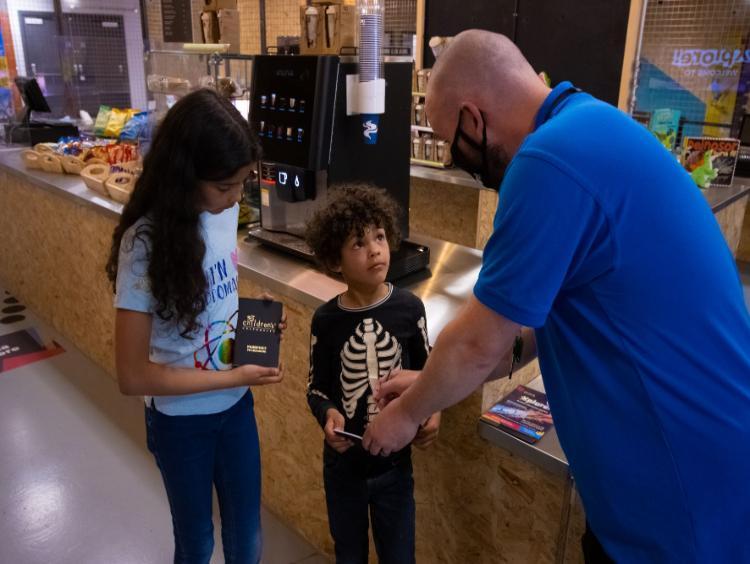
x=334 y=420
x=254 y=375
x=428 y=431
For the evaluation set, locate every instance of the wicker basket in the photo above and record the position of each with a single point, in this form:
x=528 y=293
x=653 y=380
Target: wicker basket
x=94 y=176
x=31 y=159
x=72 y=165
x=119 y=186
x=51 y=163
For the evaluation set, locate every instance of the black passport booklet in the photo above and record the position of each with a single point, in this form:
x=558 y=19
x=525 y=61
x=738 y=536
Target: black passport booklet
x=257 y=336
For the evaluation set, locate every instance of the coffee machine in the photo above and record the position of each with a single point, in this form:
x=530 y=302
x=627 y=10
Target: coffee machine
x=313 y=140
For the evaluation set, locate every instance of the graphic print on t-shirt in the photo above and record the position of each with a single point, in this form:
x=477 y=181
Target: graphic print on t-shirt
x=215 y=353
x=218 y=343
x=367 y=356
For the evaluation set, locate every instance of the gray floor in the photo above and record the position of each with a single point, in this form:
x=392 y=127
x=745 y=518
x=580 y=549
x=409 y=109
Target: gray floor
x=76 y=484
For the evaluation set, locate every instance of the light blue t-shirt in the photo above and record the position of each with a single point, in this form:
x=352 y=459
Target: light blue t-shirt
x=604 y=244
x=209 y=348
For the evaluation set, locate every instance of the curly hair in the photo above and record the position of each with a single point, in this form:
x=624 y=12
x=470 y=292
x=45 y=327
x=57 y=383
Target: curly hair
x=351 y=209
x=202 y=138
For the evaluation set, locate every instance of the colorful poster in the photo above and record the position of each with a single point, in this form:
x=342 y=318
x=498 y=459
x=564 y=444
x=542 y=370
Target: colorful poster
x=25 y=347
x=710 y=160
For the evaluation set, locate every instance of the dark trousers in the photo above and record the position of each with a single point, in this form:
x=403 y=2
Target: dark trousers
x=355 y=494
x=593 y=551
x=196 y=452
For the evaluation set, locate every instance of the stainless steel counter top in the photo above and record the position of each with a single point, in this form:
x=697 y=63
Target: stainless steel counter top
x=546 y=453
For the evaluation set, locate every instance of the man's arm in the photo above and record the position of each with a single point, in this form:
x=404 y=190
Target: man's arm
x=529 y=353
x=465 y=354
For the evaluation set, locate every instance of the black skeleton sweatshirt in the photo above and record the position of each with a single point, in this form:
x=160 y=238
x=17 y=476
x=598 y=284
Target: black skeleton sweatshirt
x=351 y=348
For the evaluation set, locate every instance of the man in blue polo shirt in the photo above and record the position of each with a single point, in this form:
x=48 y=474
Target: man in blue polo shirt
x=604 y=246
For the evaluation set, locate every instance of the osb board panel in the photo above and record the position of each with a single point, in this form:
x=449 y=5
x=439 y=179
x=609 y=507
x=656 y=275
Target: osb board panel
x=53 y=258
x=730 y=220
x=743 y=252
x=444 y=211
x=475 y=502
x=485 y=216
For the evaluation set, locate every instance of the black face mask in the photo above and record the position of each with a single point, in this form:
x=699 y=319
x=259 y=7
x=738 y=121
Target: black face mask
x=483 y=174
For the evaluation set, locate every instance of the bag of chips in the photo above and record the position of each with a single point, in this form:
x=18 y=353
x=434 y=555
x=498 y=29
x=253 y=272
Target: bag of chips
x=116 y=122
x=135 y=126
x=102 y=119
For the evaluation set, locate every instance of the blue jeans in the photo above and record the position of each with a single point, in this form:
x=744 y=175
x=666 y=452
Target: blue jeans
x=353 y=490
x=196 y=452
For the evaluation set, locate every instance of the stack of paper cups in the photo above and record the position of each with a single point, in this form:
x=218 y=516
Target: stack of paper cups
x=371 y=80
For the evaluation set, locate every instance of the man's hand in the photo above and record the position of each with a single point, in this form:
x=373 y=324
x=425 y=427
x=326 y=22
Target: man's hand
x=334 y=420
x=394 y=386
x=428 y=431
x=390 y=431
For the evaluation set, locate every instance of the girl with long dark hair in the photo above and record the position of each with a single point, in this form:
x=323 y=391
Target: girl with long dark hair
x=173 y=266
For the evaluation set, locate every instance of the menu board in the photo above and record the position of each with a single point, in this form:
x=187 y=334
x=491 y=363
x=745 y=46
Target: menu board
x=177 y=21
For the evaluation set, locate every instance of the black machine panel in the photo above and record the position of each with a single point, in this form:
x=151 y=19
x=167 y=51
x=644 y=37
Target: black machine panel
x=578 y=40
x=386 y=163
x=291 y=109
x=450 y=17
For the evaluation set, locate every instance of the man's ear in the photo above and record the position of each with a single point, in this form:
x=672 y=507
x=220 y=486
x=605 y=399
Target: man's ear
x=334 y=267
x=473 y=122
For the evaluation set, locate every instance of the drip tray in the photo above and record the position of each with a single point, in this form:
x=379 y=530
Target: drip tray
x=409 y=259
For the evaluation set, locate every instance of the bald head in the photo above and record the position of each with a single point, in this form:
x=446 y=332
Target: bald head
x=483 y=68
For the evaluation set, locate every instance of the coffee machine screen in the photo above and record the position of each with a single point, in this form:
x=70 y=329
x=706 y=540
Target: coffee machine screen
x=292 y=103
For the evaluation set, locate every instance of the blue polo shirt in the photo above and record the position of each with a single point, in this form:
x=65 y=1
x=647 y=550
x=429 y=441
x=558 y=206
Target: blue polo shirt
x=605 y=246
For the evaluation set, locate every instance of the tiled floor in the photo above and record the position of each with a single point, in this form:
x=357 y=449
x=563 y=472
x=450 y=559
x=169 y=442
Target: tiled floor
x=76 y=484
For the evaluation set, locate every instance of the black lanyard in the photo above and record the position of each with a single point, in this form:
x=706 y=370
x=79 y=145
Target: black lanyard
x=560 y=99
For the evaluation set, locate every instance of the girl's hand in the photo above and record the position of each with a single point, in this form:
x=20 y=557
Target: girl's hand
x=254 y=375
x=428 y=431
x=336 y=421
x=282 y=323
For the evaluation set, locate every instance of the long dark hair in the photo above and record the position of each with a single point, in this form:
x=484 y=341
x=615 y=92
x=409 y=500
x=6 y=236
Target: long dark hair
x=202 y=137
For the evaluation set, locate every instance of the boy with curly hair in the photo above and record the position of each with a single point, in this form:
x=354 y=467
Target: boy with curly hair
x=357 y=339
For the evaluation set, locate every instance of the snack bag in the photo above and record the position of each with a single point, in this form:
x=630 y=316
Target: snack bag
x=116 y=122
x=102 y=119
x=134 y=127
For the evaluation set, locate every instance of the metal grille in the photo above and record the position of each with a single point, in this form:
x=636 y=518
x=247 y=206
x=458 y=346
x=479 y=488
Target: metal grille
x=694 y=59
x=96 y=60
x=400 y=25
